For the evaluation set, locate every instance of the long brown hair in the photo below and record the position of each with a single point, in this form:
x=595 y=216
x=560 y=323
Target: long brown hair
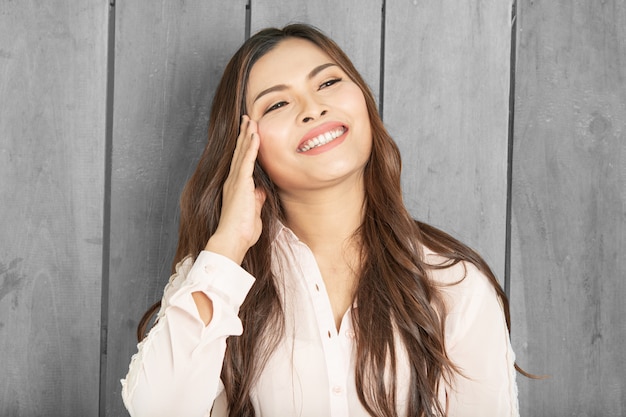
x=397 y=300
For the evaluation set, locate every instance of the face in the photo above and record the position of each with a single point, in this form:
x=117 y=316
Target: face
x=312 y=118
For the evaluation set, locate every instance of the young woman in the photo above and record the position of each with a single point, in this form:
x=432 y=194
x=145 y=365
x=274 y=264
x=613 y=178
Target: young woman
x=302 y=285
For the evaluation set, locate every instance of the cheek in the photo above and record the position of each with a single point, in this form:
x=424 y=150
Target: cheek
x=274 y=136
x=263 y=152
x=358 y=102
x=264 y=142
x=268 y=150
x=353 y=101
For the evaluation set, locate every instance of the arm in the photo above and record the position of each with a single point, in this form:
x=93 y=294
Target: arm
x=177 y=367
x=176 y=370
x=477 y=341
x=240 y=220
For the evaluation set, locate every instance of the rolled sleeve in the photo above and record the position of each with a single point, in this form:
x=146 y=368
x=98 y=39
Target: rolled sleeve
x=225 y=283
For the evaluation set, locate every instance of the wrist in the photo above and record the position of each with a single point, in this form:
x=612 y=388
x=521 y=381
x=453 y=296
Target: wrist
x=227 y=246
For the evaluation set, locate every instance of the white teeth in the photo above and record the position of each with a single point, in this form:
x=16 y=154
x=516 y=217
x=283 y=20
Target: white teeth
x=322 y=139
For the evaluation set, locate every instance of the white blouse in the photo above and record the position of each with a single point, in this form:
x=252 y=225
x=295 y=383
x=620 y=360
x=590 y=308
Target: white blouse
x=176 y=371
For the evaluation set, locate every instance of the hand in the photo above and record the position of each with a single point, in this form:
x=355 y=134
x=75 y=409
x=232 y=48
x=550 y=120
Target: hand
x=240 y=221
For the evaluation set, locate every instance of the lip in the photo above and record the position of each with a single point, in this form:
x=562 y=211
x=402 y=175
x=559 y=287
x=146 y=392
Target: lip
x=318 y=130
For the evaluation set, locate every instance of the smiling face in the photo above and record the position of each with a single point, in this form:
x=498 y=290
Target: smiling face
x=312 y=118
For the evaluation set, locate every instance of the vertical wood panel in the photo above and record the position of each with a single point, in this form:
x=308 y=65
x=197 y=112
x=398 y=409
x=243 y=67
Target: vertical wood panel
x=169 y=57
x=354 y=24
x=52 y=135
x=446 y=104
x=569 y=207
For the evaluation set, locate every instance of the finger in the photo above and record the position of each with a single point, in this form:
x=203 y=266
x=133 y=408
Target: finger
x=253 y=127
x=249 y=155
x=243 y=131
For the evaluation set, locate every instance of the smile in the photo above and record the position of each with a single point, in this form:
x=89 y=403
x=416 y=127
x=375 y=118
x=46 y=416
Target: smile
x=322 y=139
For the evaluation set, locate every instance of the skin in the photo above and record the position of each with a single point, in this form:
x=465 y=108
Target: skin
x=294 y=90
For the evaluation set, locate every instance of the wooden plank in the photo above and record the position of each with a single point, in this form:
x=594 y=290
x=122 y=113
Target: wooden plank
x=446 y=104
x=569 y=240
x=52 y=136
x=169 y=58
x=354 y=24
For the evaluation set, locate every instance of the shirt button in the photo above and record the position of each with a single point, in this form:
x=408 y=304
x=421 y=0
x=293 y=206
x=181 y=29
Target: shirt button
x=350 y=334
x=337 y=390
x=317 y=288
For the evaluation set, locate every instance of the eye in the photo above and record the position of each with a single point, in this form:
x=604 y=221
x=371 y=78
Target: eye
x=276 y=106
x=329 y=83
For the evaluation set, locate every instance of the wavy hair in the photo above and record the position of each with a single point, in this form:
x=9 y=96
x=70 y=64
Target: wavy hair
x=397 y=300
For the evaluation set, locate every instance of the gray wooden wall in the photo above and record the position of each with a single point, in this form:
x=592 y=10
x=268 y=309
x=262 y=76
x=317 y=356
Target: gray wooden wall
x=568 y=257
x=103 y=116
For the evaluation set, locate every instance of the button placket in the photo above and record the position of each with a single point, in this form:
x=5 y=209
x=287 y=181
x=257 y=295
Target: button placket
x=332 y=346
x=337 y=390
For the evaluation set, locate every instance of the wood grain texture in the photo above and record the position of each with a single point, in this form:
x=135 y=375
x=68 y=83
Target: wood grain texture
x=446 y=104
x=169 y=58
x=354 y=24
x=52 y=131
x=569 y=207
x=446 y=77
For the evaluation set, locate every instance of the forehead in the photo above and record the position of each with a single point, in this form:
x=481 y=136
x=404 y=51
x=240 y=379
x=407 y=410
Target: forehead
x=290 y=59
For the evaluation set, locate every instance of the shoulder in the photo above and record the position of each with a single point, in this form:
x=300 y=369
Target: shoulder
x=468 y=295
x=455 y=278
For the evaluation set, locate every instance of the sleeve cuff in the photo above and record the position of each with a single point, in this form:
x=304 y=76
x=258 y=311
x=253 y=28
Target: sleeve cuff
x=218 y=277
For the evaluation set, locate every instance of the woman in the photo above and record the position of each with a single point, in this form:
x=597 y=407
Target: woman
x=303 y=287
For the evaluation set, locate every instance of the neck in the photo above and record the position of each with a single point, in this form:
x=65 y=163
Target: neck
x=325 y=219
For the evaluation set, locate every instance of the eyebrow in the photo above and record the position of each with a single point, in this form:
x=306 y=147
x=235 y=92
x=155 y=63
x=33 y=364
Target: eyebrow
x=281 y=87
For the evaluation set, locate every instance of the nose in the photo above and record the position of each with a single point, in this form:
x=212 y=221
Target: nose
x=307 y=119
x=312 y=110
